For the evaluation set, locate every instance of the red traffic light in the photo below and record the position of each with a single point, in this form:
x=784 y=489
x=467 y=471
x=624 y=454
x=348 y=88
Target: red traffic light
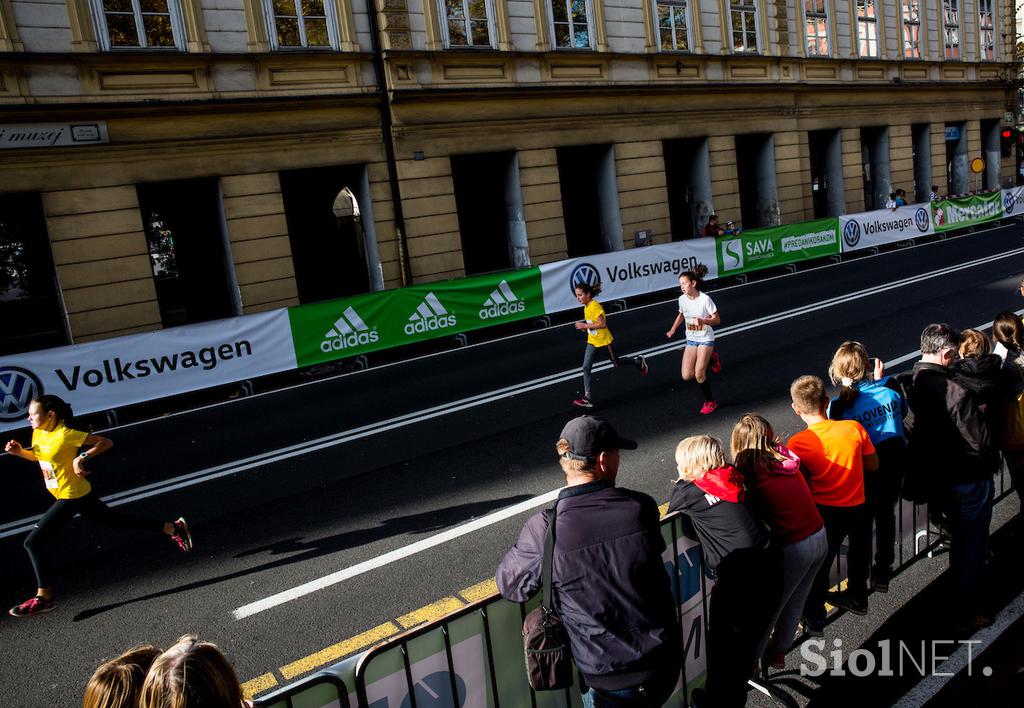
x=1007 y=133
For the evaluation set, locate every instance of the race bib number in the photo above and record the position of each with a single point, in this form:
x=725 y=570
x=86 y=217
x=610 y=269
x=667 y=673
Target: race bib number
x=695 y=327
x=49 y=476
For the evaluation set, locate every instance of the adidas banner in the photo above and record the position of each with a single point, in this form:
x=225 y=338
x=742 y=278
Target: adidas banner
x=877 y=228
x=325 y=331
x=118 y=372
x=777 y=245
x=634 y=271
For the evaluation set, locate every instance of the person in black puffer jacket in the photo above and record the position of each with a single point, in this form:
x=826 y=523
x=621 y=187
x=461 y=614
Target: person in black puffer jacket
x=980 y=372
x=1008 y=331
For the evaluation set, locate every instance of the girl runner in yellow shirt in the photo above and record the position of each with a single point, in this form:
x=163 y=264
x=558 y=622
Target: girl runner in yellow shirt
x=598 y=336
x=55 y=447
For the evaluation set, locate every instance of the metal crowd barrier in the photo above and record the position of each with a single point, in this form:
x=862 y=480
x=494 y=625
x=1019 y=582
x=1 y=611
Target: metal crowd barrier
x=473 y=657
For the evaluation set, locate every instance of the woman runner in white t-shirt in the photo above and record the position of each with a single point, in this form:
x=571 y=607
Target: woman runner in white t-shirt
x=699 y=313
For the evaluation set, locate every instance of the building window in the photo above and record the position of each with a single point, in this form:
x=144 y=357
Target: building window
x=743 y=14
x=951 y=28
x=911 y=29
x=986 y=27
x=816 y=22
x=467 y=23
x=673 y=24
x=570 y=24
x=867 y=28
x=308 y=24
x=139 y=24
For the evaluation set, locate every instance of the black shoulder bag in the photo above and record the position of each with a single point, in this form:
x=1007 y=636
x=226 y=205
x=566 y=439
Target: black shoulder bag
x=545 y=641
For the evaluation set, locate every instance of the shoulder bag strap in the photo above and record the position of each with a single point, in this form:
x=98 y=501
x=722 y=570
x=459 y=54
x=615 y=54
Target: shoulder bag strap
x=549 y=552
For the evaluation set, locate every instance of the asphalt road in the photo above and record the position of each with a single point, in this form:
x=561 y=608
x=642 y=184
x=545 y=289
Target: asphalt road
x=321 y=506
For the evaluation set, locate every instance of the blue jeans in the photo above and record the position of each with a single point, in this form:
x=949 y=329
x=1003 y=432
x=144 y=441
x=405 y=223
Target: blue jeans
x=968 y=510
x=651 y=694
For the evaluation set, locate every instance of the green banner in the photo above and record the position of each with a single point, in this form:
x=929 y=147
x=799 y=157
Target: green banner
x=331 y=330
x=777 y=245
x=949 y=214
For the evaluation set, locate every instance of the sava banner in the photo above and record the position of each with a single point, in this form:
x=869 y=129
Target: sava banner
x=777 y=245
x=142 y=367
x=634 y=271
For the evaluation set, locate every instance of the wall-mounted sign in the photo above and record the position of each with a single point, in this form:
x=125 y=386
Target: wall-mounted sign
x=953 y=133
x=977 y=165
x=44 y=135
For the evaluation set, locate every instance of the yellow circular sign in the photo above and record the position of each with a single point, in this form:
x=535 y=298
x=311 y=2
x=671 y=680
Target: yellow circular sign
x=977 y=165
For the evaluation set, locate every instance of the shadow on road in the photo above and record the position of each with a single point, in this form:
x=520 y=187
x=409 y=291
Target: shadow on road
x=299 y=550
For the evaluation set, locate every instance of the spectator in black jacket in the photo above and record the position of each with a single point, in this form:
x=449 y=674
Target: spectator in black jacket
x=747 y=571
x=952 y=449
x=610 y=585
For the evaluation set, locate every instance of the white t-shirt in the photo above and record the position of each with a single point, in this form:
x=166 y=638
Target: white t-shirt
x=700 y=306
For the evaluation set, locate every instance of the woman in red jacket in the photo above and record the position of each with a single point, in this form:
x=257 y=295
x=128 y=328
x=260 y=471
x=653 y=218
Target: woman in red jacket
x=779 y=496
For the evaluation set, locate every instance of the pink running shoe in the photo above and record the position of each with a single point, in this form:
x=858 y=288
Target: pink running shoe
x=32 y=606
x=715 y=365
x=583 y=403
x=708 y=407
x=181 y=536
x=643 y=366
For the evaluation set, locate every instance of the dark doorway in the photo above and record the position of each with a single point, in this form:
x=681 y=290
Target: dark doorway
x=480 y=198
x=185 y=232
x=30 y=306
x=874 y=148
x=755 y=168
x=688 y=179
x=921 y=138
x=579 y=170
x=957 y=164
x=328 y=252
x=818 y=143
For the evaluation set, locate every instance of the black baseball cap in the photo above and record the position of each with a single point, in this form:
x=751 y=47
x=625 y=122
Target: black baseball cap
x=588 y=436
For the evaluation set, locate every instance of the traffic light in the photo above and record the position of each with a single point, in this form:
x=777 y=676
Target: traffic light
x=1007 y=139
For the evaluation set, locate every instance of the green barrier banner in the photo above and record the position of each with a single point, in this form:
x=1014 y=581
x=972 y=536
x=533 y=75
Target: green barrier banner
x=326 y=331
x=777 y=245
x=948 y=214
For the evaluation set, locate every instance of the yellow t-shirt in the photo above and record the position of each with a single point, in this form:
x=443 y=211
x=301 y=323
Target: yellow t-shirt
x=598 y=337
x=56 y=451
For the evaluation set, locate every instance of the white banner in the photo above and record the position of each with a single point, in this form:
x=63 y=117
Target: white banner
x=141 y=367
x=876 y=228
x=1013 y=201
x=634 y=271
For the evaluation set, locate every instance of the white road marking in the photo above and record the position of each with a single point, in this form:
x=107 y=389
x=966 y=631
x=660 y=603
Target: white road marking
x=965 y=657
x=441 y=538
x=191 y=479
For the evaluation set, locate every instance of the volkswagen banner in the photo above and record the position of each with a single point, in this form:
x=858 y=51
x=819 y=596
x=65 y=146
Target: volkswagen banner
x=634 y=271
x=877 y=228
x=141 y=367
x=1013 y=201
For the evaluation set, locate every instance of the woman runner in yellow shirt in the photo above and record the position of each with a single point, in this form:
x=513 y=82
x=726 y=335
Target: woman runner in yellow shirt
x=598 y=336
x=55 y=447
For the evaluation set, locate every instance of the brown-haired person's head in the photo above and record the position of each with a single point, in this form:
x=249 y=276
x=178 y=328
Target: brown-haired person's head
x=809 y=397
x=975 y=344
x=118 y=683
x=192 y=674
x=1009 y=330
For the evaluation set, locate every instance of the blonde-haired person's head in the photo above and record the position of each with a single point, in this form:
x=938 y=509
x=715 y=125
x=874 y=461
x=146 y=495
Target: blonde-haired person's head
x=118 y=683
x=849 y=364
x=754 y=444
x=192 y=674
x=697 y=454
x=808 y=394
x=975 y=344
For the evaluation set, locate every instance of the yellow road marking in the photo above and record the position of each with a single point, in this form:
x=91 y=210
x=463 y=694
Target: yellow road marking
x=258 y=685
x=339 y=650
x=479 y=591
x=430 y=612
x=663 y=508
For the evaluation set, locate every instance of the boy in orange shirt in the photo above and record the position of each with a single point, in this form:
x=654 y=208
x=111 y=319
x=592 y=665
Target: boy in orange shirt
x=834 y=454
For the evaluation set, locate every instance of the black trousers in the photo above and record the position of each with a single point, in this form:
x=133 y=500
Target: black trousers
x=90 y=506
x=853 y=522
x=746 y=593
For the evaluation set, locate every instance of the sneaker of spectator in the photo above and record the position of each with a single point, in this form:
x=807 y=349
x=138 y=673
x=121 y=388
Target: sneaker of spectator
x=118 y=683
x=192 y=674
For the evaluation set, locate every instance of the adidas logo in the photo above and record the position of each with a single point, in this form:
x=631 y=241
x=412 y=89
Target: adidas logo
x=502 y=302
x=348 y=331
x=430 y=316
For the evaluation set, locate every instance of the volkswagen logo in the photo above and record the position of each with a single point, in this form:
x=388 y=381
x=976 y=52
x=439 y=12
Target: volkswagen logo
x=583 y=273
x=851 y=233
x=921 y=219
x=1009 y=202
x=17 y=389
